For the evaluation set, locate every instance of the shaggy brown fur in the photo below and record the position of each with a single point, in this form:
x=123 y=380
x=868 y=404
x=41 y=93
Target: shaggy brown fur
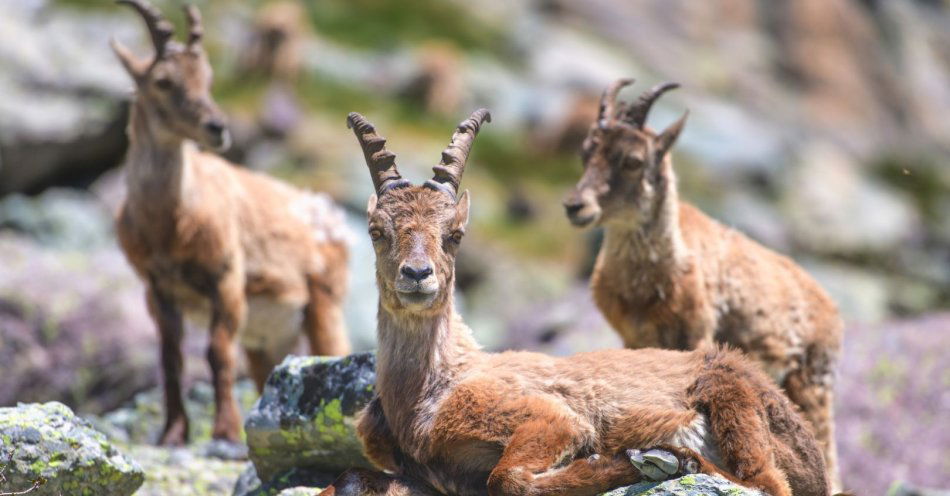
x=668 y=276
x=207 y=238
x=450 y=418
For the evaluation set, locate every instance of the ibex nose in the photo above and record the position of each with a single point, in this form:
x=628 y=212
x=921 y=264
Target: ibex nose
x=215 y=126
x=572 y=206
x=416 y=274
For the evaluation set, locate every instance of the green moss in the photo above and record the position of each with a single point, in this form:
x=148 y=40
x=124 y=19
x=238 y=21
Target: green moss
x=687 y=480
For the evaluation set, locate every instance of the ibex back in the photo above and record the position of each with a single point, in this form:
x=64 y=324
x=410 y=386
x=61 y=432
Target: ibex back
x=450 y=418
x=238 y=249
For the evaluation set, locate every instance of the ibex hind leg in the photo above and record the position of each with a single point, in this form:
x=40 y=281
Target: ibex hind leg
x=816 y=401
x=323 y=316
x=736 y=418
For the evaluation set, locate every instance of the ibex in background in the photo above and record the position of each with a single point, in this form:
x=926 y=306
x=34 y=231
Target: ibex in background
x=668 y=276
x=450 y=418
x=208 y=238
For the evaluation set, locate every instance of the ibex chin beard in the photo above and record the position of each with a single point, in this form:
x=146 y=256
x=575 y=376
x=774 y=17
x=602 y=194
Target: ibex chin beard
x=416 y=294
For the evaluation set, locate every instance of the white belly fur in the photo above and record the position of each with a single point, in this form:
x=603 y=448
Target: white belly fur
x=271 y=326
x=697 y=437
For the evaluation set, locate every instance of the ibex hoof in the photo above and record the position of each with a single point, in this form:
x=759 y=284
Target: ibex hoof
x=654 y=464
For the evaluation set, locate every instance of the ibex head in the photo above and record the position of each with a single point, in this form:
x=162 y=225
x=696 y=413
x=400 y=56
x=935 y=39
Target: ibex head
x=623 y=160
x=176 y=82
x=416 y=230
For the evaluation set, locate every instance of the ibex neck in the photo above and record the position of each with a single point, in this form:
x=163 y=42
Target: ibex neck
x=419 y=357
x=157 y=160
x=652 y=238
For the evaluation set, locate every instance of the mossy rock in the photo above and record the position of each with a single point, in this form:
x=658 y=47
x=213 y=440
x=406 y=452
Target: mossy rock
x=47 y=444
x=688 y=485
x=306 y=415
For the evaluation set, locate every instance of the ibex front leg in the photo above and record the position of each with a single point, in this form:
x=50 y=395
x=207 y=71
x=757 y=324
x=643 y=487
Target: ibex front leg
x=227 y=316
x=169 y=321
x=528 y=464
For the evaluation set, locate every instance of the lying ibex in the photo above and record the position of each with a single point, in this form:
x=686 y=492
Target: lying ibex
x=450 y=418
x=212 y=239
x=668 y=276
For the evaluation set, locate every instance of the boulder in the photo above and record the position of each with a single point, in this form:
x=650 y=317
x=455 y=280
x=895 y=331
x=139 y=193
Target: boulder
x=61 y=122
x=306 y=415
x=689 y=485
x=46 y=444
x=296 y=483
x=834 y=209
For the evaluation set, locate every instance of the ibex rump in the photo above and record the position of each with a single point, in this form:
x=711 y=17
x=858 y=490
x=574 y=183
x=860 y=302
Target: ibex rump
x=450 y=418
x=212 y=239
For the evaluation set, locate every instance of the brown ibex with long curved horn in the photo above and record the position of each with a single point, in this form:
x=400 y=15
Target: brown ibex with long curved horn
x=449 y=418
x=669 y=276
x=257 y=256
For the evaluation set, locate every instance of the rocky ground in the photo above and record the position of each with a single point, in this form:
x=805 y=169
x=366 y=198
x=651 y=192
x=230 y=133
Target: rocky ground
x=816 y=127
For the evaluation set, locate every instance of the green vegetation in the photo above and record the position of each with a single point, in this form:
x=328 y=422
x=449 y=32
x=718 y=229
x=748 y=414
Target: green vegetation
x=377 y=24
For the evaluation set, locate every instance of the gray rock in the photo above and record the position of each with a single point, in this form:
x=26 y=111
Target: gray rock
x=61 y=122
x=305 y=417
x=47 y=443
x=834 y=209
x=59 y=218
x=288 y=483
x=689 y=485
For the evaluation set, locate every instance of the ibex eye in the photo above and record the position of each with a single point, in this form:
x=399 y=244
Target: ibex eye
x=163 y=84
x=456 y=237
x=375 y=234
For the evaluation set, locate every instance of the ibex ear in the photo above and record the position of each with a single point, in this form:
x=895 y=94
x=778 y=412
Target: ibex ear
x=371 y=205
x=133 y=65
x=461 y=209
x=667 y=138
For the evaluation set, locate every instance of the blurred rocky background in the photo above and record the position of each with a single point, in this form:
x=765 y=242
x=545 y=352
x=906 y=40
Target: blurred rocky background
x=818 y=127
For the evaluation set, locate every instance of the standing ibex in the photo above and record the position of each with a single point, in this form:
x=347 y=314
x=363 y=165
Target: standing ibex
x=668 y=276
x=450 y=418
x=214 y=240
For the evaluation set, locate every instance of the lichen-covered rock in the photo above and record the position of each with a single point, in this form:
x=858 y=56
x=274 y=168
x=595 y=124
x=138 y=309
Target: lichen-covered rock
x=47 y=442
x=689 y=485
x=305 y=417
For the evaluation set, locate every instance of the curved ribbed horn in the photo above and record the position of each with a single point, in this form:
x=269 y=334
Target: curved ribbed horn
x=608 y=101
x=381 y=162
x=195 y=28
x=448 y=174
x=637 y=113
x=158 y=27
